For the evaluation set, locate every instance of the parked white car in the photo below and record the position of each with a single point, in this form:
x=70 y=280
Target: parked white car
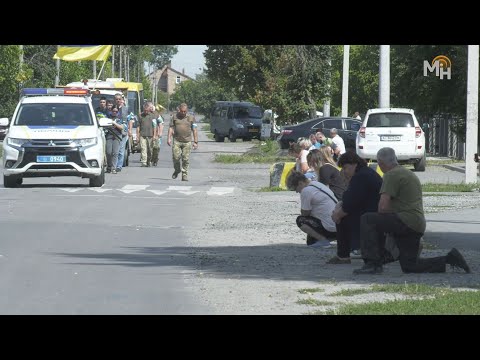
x=396 y=128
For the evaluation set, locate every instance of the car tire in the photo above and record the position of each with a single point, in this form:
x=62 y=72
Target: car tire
x=99 y=180
x=231 y=136
x=219 y=138
x=12 y=181
x=420 y=164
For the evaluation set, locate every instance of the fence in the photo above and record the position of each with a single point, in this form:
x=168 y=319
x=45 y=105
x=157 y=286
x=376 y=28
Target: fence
x=440 y=140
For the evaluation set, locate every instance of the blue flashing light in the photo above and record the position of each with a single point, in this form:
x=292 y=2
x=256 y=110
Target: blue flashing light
x=54 y=91
x=34 y=91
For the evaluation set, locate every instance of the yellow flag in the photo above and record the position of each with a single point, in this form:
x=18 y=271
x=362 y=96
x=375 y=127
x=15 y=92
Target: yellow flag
x=83 y=52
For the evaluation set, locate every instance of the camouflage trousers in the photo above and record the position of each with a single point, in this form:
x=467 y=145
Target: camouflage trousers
x=146 y=145
x=181 y=151
x=156 y=151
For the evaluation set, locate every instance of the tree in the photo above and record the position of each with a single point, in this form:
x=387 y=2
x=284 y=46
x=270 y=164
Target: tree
x=291 y=80
x=9 y=79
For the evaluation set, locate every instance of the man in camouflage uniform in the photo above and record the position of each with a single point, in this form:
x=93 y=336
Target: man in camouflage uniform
x=182 y=126
x=146 y=133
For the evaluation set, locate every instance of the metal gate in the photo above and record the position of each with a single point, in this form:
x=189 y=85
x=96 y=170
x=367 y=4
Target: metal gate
x=440 y=140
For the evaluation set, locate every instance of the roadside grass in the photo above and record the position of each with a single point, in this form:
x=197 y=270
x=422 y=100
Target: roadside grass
x=443 y=162
x=271 y=189
x=264 y=152
x=433 y=187
x=1 y=151
x=315 y=302
x=428 y=300
x=310 y=290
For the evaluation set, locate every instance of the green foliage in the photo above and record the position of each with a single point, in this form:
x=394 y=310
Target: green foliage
x=9 y=79
x=290 y=79
x=200 y=95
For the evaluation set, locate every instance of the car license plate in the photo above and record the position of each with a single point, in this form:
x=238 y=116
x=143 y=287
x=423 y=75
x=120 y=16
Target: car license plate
x=51 y=159
x=253 y=130
x=390 y=138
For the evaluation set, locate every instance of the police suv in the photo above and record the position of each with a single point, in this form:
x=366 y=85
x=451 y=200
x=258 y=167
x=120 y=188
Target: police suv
x=54 y=132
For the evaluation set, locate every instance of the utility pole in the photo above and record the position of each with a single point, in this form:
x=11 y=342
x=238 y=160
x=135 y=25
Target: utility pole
x=346 y=69
x=120 y=61
x=326 y=104
x=57 y=65
x=94 y=69
x=472 y=115
x=384 y=77
x=113 y=61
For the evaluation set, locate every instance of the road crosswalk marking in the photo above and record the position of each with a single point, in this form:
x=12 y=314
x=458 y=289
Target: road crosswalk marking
x=215 y=190
x=127 y=189
x=185 y=190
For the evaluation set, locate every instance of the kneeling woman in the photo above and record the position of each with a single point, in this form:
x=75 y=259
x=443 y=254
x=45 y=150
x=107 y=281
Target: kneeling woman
x=317 y=204
x=362 y=195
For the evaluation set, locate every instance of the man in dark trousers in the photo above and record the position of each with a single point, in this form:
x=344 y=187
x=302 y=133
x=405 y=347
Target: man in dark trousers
x=400 y=213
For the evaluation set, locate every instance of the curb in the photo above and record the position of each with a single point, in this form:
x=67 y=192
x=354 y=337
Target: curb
x=279 y=173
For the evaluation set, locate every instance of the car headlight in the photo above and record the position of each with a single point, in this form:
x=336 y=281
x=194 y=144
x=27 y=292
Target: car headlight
x=85 y=142
x=17 y=142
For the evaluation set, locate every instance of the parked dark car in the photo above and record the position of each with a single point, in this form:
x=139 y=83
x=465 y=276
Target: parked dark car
x=347 y=130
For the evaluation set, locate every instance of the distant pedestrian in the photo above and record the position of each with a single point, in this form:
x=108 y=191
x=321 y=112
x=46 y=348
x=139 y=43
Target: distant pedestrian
x=357 y=115
x=182 y=129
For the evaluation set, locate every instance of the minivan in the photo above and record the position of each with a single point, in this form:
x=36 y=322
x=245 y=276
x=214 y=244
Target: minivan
x=396 y=128
x=236 y=119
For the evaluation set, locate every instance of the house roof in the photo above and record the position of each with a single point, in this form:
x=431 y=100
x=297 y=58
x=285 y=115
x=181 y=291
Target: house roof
x=162 y=70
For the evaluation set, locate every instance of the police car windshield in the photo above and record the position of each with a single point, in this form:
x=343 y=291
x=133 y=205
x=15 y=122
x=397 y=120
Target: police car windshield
x=54 y=115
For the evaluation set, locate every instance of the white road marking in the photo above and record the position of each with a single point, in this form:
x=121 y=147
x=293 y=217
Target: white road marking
x=188 y=192
x=220 y=190
x=158 y=192
x=71 y=189
x=179 y=188
x=127 y=189
x=100 y=190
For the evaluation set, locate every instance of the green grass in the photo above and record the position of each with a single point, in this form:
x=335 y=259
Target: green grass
x=1 y=151
x=271 y=189
x=264 y=152
x=206 y=127
x=351 y=292
x=436 y=301
x=315 y=302
x=432 y=187
x=443 y=162
x=310 y=290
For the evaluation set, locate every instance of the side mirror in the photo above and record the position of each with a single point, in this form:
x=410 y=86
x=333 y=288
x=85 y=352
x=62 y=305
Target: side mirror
x=104 y=122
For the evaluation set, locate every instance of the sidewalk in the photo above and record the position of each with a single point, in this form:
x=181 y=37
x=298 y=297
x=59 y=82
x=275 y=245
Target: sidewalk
x=459 y=228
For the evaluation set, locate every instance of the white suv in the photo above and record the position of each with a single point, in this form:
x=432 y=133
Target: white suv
x=54 y=132
x=396 y=128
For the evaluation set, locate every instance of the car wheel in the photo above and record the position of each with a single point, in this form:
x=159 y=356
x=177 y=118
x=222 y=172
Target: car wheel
x=219 y=138
x=420 y=164
x=231 y=136
x=99 y=180
x=12 y=181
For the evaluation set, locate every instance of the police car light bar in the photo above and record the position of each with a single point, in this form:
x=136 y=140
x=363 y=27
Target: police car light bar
x=52 y=91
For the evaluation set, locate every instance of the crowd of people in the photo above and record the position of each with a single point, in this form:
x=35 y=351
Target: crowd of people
x=149 y=129
x=380 y=220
